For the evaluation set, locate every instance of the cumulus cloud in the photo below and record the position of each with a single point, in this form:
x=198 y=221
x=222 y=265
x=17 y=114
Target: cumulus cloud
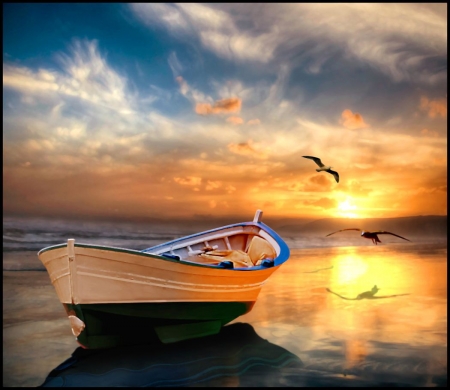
x=223 y=106
x=434 y=108
x=352 y=120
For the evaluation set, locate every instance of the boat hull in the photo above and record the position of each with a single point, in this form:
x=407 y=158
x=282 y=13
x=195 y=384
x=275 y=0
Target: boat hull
x=109 y=325
x=120 y=297
x=169 y=292
x=110 y=275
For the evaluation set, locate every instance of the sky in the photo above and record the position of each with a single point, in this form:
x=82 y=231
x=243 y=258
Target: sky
x=205 y=110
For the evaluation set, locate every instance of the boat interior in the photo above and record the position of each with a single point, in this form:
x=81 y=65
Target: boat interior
x=234 y=247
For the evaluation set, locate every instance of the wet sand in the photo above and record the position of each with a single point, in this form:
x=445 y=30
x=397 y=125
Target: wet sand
x=36 y=332
x=399 y=341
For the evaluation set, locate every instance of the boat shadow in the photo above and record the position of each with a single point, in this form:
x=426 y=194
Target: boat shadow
x=236 y=356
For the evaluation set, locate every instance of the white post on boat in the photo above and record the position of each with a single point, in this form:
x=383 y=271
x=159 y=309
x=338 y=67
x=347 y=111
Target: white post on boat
x=258 y=216
x=71 y=249
x=72 y=270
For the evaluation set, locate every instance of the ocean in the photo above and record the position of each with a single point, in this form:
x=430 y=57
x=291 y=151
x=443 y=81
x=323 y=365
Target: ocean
x=306 y=329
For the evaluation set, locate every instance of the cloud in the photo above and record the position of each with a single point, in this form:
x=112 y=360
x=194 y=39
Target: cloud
x=254 y=122
x=223 y=106
x=230 y=189
x=429 y=133
x=434 y=107
x=235 y=120
x=247 y=149
x=214 y=28
x=86 y=76
x=192 y=94
x=175 y=64
x=319 y=183
x=188 y=181
x=352 y=121
x=324 y=203
x=212 y=185
x=354 y=187
x=403 y=41
x=184 y=88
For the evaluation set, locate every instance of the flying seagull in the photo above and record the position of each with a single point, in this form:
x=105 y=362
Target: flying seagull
x=323 y=167
x=371 y=235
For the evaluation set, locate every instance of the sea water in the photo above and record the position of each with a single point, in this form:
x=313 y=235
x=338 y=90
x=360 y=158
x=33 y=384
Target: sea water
x=396 y=337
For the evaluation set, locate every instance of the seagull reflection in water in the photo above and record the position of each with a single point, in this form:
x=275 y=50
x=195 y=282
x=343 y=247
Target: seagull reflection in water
x=367 y=295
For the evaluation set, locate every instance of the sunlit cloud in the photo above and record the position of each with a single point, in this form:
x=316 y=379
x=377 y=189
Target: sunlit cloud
x=230 y=189
x=429 y=133
x=188 y=181
x=434 y=108
x=356 y=188
x=319 y=183
x=352 y=120
x=156 y=130
x=324 y=203
x=235 y=120
x=223 y=106
x=247 y=149
x=212 y=185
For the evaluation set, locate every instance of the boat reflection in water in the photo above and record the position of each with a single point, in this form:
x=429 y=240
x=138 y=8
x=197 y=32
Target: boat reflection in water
x=236 y=356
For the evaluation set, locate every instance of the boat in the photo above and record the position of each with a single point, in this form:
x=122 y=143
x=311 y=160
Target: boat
x=185 y=288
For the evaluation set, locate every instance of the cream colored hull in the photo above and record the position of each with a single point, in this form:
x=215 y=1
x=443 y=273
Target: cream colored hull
x=109 y=275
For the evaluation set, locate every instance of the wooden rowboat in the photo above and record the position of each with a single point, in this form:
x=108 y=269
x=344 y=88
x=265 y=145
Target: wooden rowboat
x=189 y=287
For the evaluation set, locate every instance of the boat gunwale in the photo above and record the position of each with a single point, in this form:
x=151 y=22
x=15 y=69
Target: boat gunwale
x=280 y=259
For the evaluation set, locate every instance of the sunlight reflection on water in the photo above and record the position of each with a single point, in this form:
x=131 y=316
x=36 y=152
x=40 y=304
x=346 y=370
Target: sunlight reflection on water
x=398 y=337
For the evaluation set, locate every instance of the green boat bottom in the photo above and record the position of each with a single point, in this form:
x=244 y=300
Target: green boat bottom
x=110 y=325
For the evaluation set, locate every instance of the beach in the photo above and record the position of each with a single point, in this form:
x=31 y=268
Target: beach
x=36 y=335
x=400 y=340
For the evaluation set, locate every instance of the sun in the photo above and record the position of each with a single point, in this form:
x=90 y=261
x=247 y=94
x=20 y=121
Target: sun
x=347 y=209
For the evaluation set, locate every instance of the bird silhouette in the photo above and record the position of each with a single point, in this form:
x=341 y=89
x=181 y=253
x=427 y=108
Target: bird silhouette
x=323 y=167
x=370 y=235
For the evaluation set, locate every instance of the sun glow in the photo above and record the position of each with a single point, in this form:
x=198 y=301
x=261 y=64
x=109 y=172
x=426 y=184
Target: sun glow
x=347 y=209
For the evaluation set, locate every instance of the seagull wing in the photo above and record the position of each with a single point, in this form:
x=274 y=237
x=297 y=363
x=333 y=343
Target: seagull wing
x=343 y=230
x=384 y=232
x=316 y=160
x=335 y=174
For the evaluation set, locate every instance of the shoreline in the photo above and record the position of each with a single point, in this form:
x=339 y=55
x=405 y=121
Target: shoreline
x=36 y=332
